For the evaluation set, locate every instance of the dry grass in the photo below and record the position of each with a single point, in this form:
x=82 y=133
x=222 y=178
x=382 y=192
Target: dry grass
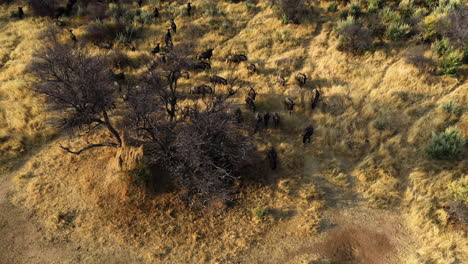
x=349 y=158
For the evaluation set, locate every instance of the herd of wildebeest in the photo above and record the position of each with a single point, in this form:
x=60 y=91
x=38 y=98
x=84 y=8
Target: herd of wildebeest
x=202 y=64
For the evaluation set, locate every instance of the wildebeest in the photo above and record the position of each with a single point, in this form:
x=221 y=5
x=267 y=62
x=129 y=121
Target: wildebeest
x=156 y=12
x=252 y=93
x=308 y=132
x=276 y=119
x=185 y=74
x=202 y=89
x=301 y=78
x=281 y=80
x=140 y=3
x=250 y=104
x=201 y=65
x=117 y=76
x=238 y=115
x=272 y=158
x=205 y=55
x=316 y=99
x=72 y=36
x=215 y=79
x=19 y=14
x=156 y=49
x=266 y=119
x=236 y=58
x=252 y=68
x=168 y=38
x=258 y=122
x=189 y=9
x=173 y=26
x=289 y=104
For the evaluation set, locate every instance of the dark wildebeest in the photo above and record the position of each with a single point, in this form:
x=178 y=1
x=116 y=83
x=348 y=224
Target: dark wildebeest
x=238 y=115
x=140 y=3
x=185 y=74
x=72 y=36
x=252 y=68
x=266 y=119
x=173 y=26
x=201 y=65
x=236 y=58
x=281 y=80
x=258 y=122
x=301 y=78
x=205 y=55
x=156 y=12
x=156 y=49
x=118 y=77
x=189 y=9
x=276 y=120
x=289 y=104
x=168 y=38
x=20 y=12
x=250 y=104
x=252 y=93
x=308 y=132
x=201 y=90
x=272 y=158
x=316 y=99
x=215 y=79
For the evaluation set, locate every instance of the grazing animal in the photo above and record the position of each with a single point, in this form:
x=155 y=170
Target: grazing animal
x=117 y=76
x=185 y=74
x=168 y=38
x=215 y=79
x=156 y=12
x=189 y=9
x=272 y=158
x=258 y=122
x=236 y=58
x=19 y=14
x=250 y=104
x=202 y=89
x=156 y=49
x=72 y=36
x=201 y=65
x=276 y=120
x=281 y=80
x=266 y=119
x=252 y=93
x=173 y=26
x=308 y=132
x=205 y=55
x=301 y=78
x=238 y=115
x=316 y=99
x=252 y=68
x=140 y=3
x=289 y=104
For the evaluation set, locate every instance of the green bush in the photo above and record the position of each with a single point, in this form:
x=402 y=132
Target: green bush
x=452 y=108
x=406 y=8
x=129 y=33
x=144 y=17
x=332 y=7
x=396 y=32
x=380 y=124
x=261 y=212
x=451 y=62
x=447 y=145
x=459 y=189
x=353 y=37
x=440 y=47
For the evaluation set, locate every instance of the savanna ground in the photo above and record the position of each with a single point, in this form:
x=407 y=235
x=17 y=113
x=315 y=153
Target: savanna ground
x=359 y=193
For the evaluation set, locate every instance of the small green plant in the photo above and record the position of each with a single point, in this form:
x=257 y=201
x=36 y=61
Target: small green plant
x=144 y=18
x=374 y=5
x=355 y=9
x=141 y=174
x=129 y=33
x=459 y=189
x=447 y=145
x=332 y=7
x=251 y=6
x=380 y=124
x=452 y=108
x=260 y=212
x=440 y=47
x=451 y=62
x=390 y=16
x=353 y=37
x=406 y=8
x=396 y=32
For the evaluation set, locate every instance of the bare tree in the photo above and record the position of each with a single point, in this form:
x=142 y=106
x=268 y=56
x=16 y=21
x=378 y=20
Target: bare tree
x=79 y=86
